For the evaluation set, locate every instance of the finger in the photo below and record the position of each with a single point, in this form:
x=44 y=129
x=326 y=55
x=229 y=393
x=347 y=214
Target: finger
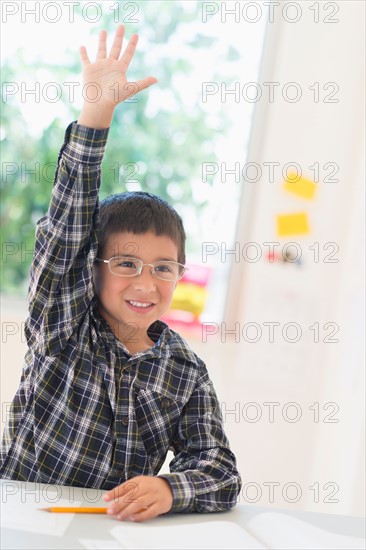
x=84 y=56
x=133 y=88
x=149 y=513
x=145 y=83
x=102 y=48
x=128 y=502
x=129 y=51
x=122 y=490
x=117 y=43
x=131 y=510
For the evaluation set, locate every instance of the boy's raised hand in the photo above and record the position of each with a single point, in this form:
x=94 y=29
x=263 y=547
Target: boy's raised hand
x=105 y=83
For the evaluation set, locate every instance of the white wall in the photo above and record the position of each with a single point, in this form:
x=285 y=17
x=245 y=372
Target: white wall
x=308 y=452
x=12 y=350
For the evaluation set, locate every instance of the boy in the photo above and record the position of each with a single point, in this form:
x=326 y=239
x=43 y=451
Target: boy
x=107 y=389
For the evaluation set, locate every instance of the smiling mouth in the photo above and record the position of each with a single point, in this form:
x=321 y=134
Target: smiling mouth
x=142 y=305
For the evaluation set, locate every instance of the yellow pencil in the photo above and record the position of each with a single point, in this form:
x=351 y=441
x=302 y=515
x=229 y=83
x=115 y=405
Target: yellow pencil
x=76 y=510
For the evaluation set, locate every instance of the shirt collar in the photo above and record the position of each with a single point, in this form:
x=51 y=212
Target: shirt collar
x=167 y=342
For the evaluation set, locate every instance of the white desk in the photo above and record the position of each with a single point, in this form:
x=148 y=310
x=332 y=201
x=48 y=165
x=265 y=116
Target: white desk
x=86 y=526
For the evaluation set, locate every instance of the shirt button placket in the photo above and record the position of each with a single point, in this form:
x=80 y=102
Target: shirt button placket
x=122 y=417
x=124 y=421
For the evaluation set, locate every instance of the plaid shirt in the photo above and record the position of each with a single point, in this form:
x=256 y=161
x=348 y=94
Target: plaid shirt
x=88 y=413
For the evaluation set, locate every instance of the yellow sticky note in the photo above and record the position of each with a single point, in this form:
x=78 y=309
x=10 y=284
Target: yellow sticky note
x=189 y=297
x=292 y=224
x=302 y=187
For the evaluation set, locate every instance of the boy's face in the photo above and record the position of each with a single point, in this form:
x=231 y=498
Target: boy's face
x=115 y=293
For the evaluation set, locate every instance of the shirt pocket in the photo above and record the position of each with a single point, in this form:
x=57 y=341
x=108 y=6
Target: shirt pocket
x=157 y=417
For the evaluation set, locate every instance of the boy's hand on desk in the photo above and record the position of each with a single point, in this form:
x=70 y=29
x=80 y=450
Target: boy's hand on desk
x=140 y=498
x=105 y=83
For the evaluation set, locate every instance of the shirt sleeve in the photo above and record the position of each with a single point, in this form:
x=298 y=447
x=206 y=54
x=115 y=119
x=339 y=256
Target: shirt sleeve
x=203 y=474
x=61 y=284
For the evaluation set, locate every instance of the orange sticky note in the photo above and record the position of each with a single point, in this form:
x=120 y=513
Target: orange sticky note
x=300 y=186
x=292 y=224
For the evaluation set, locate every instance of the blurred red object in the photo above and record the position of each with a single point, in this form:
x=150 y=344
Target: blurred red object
x=190 y=298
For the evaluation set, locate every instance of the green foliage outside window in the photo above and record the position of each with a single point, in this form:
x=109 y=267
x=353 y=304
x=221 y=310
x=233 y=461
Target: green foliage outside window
x=163 y=152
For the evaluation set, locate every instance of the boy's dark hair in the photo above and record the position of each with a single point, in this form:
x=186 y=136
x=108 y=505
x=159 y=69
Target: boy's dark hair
x=139 y=212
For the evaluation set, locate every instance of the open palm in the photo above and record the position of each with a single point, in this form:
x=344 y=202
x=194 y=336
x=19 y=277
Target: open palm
x=105 y=80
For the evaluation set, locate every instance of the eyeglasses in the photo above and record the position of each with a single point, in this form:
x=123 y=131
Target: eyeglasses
x=132 y=267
